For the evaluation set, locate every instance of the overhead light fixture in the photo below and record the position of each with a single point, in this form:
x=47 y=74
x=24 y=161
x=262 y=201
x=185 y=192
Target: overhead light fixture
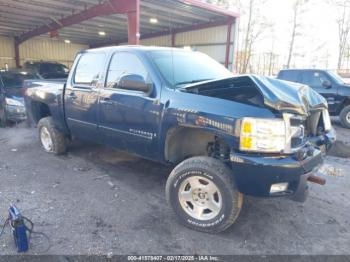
x=101 y=33
x=67 y=41
x=153 y=20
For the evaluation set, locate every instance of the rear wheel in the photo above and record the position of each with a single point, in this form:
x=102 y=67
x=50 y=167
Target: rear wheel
x=52 y=140
x=345 y=117
x=203 y=194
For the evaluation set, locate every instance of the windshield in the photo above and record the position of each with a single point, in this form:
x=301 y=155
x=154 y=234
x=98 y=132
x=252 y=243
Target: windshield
x=181 y=67
x=336 y=77
x=15 y=79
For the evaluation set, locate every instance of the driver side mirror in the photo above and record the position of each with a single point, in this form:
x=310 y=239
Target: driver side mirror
x=134 y=82
x=326 y=84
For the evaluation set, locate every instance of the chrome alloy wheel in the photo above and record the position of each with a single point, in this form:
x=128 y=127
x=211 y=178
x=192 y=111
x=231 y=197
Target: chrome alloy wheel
x=46 y=139
x=200 y=198
x=348 y=117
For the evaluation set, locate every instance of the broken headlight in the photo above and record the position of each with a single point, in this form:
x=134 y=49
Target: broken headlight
x=263 y=135
x=271 y=135
x=326 y=120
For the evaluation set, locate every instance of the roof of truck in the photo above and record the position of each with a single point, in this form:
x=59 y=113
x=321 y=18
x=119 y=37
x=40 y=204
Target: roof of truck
x=134 y=47
x=307 y=69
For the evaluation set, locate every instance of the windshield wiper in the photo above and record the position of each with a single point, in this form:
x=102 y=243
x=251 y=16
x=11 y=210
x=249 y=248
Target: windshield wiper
x=193 y=81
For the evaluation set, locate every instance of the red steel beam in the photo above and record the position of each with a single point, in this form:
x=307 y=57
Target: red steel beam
x=170 y=32
x=209 y=7
x=134 y=25
x=17 y=57
x=228 y=43
x=107 y=8
x=173 y=39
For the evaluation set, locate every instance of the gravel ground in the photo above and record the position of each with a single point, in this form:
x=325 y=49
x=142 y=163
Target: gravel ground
x=96 y=200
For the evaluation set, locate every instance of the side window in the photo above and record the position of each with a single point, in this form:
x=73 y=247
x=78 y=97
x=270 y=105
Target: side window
x=314 y=78
x=125 y=63
x=89 y=69
x=41 y=69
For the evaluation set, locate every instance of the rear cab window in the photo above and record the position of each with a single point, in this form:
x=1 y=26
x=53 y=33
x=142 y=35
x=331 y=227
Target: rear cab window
x=290 y=75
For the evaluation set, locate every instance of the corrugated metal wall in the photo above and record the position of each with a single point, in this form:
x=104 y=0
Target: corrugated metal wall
x=49 y=50
x=157 y=41
x=211 y=41
x=7 y=52
x=38 y=49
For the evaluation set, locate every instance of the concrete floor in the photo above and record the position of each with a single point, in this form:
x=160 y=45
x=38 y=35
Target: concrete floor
x=95 y=200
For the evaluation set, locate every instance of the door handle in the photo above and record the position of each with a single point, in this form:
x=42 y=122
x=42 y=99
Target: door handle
x=106 y=100
x=72 y=95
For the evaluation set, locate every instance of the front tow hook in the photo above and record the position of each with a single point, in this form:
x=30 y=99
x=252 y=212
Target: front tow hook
x=316 y=180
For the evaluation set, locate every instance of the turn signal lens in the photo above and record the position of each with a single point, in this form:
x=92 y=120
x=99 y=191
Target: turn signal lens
x=326 y=120
x=247 y=127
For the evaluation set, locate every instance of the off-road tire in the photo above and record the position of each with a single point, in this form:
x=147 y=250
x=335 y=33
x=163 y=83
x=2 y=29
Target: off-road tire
x=59 y=140
x=344 y=120
x=221 y=175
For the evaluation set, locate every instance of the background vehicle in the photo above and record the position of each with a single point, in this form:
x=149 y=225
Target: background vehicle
x=329 y=85
x=227 y=136
x=48 y=70
x=11 y=95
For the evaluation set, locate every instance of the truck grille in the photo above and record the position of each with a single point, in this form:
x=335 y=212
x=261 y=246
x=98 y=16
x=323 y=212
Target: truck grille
x=310 y=126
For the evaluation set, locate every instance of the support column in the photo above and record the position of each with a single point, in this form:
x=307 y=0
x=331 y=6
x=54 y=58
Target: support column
x=17 y=58
x=134 y=25
x=228 y=42
x=173 y=39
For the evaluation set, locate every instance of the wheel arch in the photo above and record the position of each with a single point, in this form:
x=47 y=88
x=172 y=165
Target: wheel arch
x=39 y=110
x=185 y=142
x=345 y=103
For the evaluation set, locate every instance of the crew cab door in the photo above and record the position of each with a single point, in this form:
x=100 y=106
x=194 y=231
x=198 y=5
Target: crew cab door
x=129 y=118
x=322 y=83
x=81 y=96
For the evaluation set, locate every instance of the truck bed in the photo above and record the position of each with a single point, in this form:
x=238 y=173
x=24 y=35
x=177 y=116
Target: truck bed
x=42 y=95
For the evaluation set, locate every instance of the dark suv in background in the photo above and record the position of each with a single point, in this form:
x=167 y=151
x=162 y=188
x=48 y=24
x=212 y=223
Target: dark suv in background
x=48 y=70
x=326 y=83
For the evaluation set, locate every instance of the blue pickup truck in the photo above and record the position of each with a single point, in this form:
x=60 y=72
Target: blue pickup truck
x=225 y=136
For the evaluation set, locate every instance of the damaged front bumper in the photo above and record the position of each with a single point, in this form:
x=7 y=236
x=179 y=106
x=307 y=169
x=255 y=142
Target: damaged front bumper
x=255 y=174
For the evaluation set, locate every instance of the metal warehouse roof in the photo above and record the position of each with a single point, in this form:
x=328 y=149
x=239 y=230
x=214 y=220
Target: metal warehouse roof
x=18 y=17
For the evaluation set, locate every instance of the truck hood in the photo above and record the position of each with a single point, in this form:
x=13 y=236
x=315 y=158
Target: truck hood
x=276 y=94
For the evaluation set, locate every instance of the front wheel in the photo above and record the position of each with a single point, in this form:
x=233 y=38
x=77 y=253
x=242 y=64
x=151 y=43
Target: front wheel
x=345 y=117
x=203 y=194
